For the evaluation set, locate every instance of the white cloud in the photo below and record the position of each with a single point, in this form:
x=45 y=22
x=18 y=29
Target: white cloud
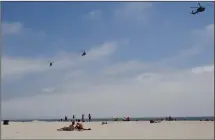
x=210 y=29
x=105 y=50
x=205 y=35
x=94 y=14
x=209 y=68
x=18 y=66
x=50 y=89
x=133 y=11
x=148 y=94
x=121 y=68
x=11 y=28
x=95 y=84
x=202 y=38
x=157 y=93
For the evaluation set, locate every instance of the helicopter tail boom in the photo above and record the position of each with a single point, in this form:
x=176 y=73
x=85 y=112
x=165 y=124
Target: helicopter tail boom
x=194 y=12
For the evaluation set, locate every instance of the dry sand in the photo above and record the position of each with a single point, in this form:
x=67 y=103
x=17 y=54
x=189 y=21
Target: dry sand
x=112 y=130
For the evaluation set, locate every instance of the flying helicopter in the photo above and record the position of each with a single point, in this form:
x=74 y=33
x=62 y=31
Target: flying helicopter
x=198 y=9
x=50 y=63
x=83 y=53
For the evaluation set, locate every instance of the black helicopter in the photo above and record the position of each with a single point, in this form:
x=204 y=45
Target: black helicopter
x=50 y=63
x=84 y=53
x=199 y=9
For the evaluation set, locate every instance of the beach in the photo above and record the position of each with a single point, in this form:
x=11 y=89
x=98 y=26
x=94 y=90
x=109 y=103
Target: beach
x=112 y=130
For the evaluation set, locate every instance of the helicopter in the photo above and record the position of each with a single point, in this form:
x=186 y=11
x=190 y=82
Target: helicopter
x=199 y=9
x=50 y=63
x=84 y=53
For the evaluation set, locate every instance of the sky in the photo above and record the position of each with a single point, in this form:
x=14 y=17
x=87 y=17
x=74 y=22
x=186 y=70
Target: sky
x=144 y=59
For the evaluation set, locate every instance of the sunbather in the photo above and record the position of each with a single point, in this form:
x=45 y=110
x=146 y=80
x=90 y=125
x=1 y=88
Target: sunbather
x=104 y=123
x=70 y=128
x=79 y=126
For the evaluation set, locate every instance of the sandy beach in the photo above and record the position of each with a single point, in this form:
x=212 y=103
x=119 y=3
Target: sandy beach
x=116 y=130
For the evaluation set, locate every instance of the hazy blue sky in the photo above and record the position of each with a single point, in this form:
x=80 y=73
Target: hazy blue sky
x=143 y=59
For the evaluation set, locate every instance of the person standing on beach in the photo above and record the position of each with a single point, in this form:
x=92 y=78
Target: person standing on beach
x=89 y=116
x=73 y=117
x=82 y=118
x=65 y=118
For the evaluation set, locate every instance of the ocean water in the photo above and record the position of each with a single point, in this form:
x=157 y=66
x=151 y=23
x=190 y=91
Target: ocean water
x=132 y=119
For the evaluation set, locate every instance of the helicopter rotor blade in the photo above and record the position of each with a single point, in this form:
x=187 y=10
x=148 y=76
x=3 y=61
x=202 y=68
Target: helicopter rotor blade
x=194 y=7
x=199 y=4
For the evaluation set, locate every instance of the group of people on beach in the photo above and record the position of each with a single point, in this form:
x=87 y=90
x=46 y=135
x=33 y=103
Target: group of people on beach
x=82 y=118
x=79 y=127
x=124 y=119
x=74 y=119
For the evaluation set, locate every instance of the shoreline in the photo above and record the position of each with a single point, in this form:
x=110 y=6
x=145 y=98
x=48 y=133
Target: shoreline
x=210 y=118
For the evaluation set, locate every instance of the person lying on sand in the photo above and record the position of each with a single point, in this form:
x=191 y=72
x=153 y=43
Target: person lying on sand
x=79 y=126
x=126 y=119
x=70 y=128
x=104 y=123
x=155 y=121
